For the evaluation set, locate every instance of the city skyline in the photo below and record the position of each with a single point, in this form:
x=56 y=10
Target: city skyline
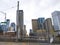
x=32 y=9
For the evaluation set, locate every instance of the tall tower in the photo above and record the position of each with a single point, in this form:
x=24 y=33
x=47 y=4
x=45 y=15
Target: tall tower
x=19 y=21
x=48 y=24
x=56 y=20
x=48 y=27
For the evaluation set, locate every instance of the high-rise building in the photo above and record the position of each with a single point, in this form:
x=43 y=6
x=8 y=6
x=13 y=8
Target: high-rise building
x=4 y=26
x=19 y=19
x=24 y=31
x=13 y=25
x=48 y=26
x=8 y=22
x=34 y=25
x=56 y=20
x=40 y=23
x=38 y=28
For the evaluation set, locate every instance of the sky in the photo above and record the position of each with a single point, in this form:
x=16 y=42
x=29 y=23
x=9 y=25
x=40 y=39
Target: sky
x=33 y=9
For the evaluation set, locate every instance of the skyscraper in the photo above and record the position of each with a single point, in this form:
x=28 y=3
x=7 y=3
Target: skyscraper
x=56 y=20
x=40 y=23
x=20 y=23
x=34 y=25
x=24 y=31
x=5 y=25
x=48 y=26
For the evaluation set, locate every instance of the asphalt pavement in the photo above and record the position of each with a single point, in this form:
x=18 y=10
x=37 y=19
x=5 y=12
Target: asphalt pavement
x=25 y=43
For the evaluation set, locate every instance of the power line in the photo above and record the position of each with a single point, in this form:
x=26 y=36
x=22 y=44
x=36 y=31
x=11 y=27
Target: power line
x=10 y=8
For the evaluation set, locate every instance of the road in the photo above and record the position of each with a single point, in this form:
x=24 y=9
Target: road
x=24 y=43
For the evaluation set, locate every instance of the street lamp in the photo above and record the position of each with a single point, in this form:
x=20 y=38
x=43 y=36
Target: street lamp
x=4 y=14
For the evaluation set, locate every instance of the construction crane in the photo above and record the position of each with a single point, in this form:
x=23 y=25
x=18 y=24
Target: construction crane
x=4 y=14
